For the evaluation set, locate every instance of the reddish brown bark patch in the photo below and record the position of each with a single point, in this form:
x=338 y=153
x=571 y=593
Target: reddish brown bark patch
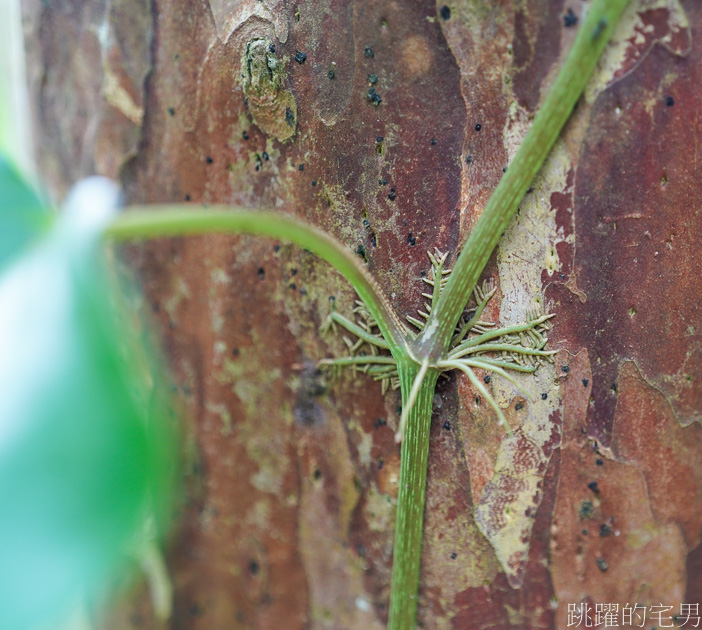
x=636 y=259
x=621 y=511
x=668 y=455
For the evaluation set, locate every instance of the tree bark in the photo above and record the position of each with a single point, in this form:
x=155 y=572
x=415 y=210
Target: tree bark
x=391 y=134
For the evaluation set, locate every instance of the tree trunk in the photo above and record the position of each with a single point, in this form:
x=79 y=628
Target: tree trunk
x=391 y=134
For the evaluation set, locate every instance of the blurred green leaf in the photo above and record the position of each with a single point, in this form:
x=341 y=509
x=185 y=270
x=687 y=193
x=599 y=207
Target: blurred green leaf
x=84 y=420
x=23 y=216
x=15 y=136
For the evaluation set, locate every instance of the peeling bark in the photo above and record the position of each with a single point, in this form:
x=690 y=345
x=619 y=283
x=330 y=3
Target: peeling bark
x=288 y=515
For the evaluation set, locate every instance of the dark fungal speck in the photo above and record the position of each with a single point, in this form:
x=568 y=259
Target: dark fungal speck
x=293 y=272
x=374 y=240
x=209 y=160
x=614 y=387
x=487 y=378
x=317 y=473
x=445 y=12
x=300 y=57
x=669 y=101
x=447 y=426
x=599 y=29
x=599 y=462
x=602 y=564
x=253 y=567
x=261 y=273
x=366 y=223
x=529 y=190
x=372 y=79
x=361 y=251
x=381 y=463
x=565 y=369
x=171 y=111
x=594 y=487
x=382 y=182
x=331 y=74
x=244 y=135
x=585 y=382
x=478 y=127
x=454 y=555
x=432 y=141
x=379 y=139
x=293 y=286
x=518 y=406
x=187 y=197
x=570 y=19
x=586 y=509
x=289 y=116
x=314 y=182
x=544 y=396
x=469 y=159
x=276 y=248
x=374 y=97
x=368 y=52
x=411 y=239
x=303 y=291
x=196 y=610
x=265 y=156
x=392 y=194
x=301 y=167
x=271 y=48
x=235 y=352
x=504 y=169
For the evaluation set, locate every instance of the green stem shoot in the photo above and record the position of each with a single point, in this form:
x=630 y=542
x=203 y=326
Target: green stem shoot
x=409 y=523
x=594 y=33
x=170 y=220
x=436 y=335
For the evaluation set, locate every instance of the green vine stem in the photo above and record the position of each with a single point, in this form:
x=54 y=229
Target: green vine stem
x=170 y=220
x=409 y=519
x=436 y=336
x=590 y=41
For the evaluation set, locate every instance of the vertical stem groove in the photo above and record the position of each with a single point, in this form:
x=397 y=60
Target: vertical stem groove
x=409 y=524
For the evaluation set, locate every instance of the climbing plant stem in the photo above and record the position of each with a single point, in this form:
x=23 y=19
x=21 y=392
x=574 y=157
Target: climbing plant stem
x=594 y=33
x=409 y=521
x=436 y=336
x=172 y=220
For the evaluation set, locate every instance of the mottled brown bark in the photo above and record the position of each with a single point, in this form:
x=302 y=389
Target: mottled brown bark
x=288 y=517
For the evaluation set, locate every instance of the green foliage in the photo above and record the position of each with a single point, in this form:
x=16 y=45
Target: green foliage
x=23 y=216
x=84 y=423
